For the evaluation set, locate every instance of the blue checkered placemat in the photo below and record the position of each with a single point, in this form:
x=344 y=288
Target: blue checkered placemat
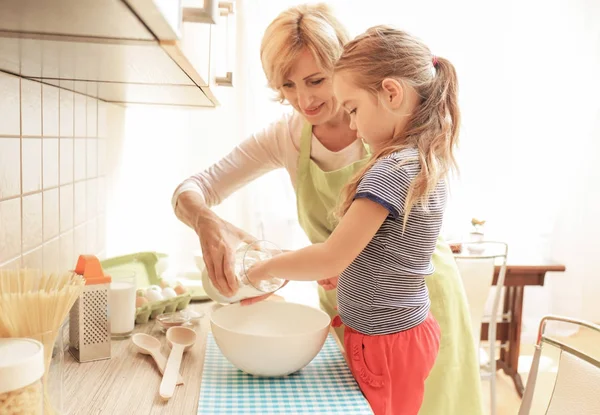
x=324 y=387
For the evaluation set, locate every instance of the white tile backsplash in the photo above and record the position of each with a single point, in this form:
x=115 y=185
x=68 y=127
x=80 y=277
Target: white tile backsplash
x=34 y=259
x=32 y=222
x=67 y=115
x=50 y=118
x=51 y=255
x=80 y=239
x=10 y=229
x=66 y=207
x=67 y=252
x=92 y=236
x=51 y=194
x=50 y=164
x=10 y=109
x=66 y=161
x=80 y=115
x=102 y=157
x=92 y=117
x=32 y=164
x=51 y=214
x=10 y=167
x=80 y=199
x=92 y=157
x=31 y=107
x=80 y=154
x=92 y=198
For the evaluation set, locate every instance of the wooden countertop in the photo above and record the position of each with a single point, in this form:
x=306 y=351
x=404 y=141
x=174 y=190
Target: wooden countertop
x=128 y=383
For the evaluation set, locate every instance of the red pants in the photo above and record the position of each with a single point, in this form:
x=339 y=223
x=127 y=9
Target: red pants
x=391 y=369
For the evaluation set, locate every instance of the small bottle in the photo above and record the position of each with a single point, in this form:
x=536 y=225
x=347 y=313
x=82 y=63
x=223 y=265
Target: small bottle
x=21 y=373
x=245 y=257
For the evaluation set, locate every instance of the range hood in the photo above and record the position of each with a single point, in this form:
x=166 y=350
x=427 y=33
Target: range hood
x=124 y=51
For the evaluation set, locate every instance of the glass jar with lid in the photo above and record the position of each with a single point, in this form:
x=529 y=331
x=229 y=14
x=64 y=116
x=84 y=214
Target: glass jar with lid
x=21 y=374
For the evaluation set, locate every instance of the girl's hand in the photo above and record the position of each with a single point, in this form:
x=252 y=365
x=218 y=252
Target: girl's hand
x=257 y=273
x=329 y=284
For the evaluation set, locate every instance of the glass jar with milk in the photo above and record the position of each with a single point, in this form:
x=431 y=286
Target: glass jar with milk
x=245 y=257
x=122 y=303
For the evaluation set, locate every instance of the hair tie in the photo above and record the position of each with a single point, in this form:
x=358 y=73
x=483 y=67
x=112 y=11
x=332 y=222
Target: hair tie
x=434 y=60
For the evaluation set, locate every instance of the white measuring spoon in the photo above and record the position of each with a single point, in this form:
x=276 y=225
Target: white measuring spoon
x=150 y=345
x=180 y=339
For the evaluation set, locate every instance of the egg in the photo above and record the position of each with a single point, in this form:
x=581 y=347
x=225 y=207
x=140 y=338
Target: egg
x=163 y=284
x=168 y=292
x=140 y=301
x=180 y=290
x=154 y=295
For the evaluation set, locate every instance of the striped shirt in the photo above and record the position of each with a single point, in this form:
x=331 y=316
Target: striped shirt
x=383 y=290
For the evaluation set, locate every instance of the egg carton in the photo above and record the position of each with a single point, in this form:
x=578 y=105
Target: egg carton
x=152 y=309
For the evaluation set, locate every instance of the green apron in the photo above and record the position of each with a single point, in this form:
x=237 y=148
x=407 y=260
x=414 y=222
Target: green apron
x=453 y=386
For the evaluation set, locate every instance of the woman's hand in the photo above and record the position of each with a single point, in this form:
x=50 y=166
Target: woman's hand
x=219 y=240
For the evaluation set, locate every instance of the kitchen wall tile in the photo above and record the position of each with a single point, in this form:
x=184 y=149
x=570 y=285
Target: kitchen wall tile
x=66 y=207
x=50 y=118
x=66 y=160
x=80 y=200
x=32 y=164
x=92 y=158
x=10 y=167
x=80 y=241
x=80 y=158
x=10 y=229
x=92 y=198
x=102 y=118
x=80 y=115
x=31 y=107
x=67 y=253
x=92 y=117
x=101 y=220
x=10 y=108
x=12 y=264
x=51 y=216
x=50 y=164
x=32 y=222
x=51 y=252
x=34 y=259
x=67 y=115
x=101 y=189
x=92 y=236
x=102 y=157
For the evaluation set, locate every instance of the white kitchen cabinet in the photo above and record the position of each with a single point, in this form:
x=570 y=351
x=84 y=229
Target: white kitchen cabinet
x=136 y=51
x=209 y=47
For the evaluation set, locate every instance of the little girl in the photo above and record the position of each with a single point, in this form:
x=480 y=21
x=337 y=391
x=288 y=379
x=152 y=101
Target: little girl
x=402 y=101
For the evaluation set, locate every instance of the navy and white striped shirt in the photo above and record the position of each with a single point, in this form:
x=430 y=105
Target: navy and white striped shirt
x=383 y=291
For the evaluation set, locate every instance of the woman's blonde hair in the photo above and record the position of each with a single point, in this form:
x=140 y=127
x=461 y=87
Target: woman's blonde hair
x=384 y=52
x=311 y=27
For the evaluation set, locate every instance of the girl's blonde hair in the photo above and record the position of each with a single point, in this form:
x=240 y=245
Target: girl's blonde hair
x=384 y=52
x=311 y=27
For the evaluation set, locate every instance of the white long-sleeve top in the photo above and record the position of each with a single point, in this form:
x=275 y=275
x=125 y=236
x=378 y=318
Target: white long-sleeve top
x=276 y=146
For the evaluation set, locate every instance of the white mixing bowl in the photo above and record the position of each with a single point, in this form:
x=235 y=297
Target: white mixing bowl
x=270 y=338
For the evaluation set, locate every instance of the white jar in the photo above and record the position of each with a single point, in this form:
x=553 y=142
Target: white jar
x=246 y=256
x=21 y=372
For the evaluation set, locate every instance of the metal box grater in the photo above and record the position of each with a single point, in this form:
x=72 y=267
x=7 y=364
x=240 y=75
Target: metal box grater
x=89 y=323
